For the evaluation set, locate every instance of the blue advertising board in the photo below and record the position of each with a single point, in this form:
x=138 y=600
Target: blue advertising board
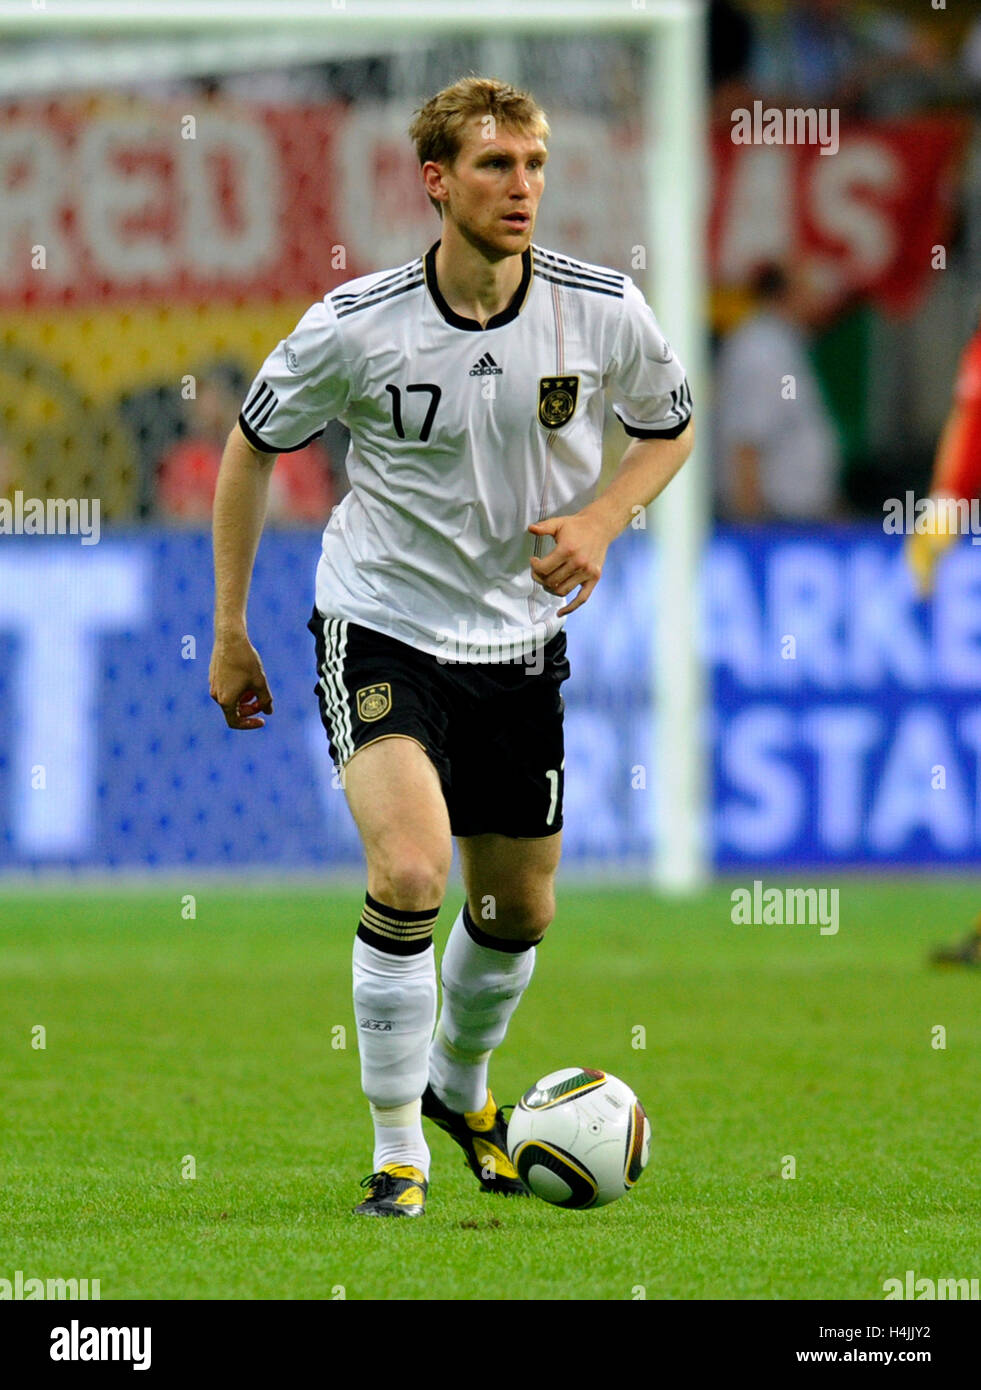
x=844 y=715
x=847 y=712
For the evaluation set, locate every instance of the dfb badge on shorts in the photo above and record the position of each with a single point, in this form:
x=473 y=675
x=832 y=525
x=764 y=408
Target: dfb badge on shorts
x=557 y=396
x=374 y=701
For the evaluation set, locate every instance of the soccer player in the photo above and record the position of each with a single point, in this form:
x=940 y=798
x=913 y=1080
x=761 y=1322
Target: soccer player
x=472 y=382
x=956 y=475
x=956 y=467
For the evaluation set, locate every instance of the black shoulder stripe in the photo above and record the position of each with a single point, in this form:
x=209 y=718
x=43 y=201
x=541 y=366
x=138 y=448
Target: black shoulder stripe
x=360 y=304
x=580 y=285
x=681 y=401
x=258 y=396
x=264 y=401
x=584 y=277
x=596 y=276
x=386 y=278
x=260 y=420
x=386 y=282
x=571 y=266
x=574 y=261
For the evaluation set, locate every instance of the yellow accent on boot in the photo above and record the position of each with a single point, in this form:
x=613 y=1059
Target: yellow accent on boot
x=490 y=1157
x=482 y=1120
x=397 y=1189
x=482 y=1135
x=412 y=1196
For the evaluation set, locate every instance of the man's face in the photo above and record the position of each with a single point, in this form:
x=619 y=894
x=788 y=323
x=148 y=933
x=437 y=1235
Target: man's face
x=493 y=187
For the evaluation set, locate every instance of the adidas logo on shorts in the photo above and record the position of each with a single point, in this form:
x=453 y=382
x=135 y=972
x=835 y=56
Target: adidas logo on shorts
x=486 y=367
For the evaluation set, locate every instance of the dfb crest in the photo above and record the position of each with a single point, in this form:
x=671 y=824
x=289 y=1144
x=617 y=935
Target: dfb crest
x=374 y=701
x=557 y=397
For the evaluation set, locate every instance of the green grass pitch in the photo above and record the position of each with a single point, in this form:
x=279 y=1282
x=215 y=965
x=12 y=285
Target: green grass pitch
x=215 y=1038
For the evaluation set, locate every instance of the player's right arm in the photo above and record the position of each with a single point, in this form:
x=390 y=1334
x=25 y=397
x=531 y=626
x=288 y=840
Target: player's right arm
x=237 y=681
x=303 y=383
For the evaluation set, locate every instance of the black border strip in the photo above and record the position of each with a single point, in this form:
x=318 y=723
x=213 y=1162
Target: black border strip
x=265 y=448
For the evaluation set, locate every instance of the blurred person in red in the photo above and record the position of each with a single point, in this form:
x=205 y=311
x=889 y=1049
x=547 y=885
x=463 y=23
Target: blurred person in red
x=956 y=476
x=301 y=489
x=956 y=469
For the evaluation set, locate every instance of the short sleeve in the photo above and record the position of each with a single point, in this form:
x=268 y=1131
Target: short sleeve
x=303 y=383
x=649 y=387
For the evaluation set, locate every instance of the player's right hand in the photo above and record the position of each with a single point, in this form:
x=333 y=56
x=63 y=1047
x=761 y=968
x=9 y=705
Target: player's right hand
x=238 y=682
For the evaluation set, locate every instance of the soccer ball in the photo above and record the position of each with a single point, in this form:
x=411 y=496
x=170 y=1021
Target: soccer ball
x=579 y=1138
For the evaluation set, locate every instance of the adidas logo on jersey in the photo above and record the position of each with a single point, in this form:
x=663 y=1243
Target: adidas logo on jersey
x=486 y=367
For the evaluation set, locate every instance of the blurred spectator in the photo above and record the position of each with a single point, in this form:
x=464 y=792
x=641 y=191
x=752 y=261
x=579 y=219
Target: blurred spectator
x=730 y=54
x=301 y=487
x=851 y=56
x=776 y=445
x=971 y=55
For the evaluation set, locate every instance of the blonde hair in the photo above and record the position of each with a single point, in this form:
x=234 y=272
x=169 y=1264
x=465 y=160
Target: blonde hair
x=438 y=127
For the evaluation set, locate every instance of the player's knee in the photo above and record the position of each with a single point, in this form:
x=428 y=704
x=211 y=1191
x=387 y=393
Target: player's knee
x=411 y=881
x=523 y=918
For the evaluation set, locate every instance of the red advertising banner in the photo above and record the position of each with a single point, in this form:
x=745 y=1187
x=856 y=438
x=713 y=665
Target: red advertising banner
x=141 y=201
x=111 y=200
x=866 y=218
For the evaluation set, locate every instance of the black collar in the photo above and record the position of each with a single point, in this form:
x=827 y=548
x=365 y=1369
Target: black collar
x=471 y=325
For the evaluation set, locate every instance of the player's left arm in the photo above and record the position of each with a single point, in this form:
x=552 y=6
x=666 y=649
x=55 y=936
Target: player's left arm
x=582 y=539
x=652 y=401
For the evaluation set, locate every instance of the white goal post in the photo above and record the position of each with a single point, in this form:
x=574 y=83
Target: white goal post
x=260 y=32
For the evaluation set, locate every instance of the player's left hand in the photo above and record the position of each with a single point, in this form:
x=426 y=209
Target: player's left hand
x=581 y=543
x=923 y=550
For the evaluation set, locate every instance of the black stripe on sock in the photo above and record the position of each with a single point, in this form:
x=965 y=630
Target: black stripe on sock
x=391 y=940
x=409 y=918
x=495 y=943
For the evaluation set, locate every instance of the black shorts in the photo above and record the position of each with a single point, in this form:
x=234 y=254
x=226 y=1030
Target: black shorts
x=492 y=731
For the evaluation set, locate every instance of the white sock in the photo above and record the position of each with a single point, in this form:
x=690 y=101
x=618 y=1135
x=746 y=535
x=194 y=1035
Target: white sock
x=482 y=987
x=399 y=1138
x=395 y=1008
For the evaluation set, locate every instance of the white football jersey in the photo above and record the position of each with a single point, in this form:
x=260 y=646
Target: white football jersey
x=461 y=437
